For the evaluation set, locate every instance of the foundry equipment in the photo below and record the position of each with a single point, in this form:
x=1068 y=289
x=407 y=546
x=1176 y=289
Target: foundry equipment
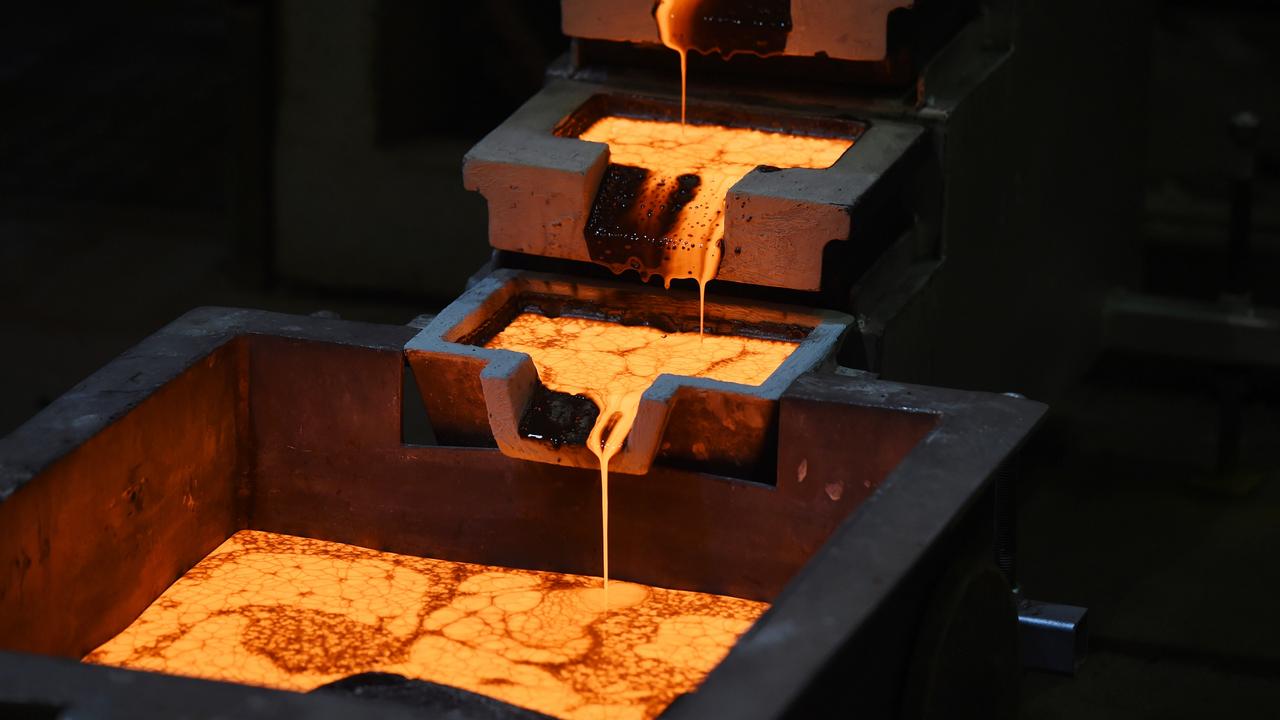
x=858 y=507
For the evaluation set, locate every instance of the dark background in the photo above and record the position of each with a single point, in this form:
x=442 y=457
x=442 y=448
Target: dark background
x=160 y=155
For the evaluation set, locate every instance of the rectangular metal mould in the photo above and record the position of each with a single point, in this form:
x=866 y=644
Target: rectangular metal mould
x=541 y=181
x=476 y=395
x=232 y=419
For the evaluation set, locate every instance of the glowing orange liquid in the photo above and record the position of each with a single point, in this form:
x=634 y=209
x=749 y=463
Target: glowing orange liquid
x=719 y=156
x=674 y=18
x=614 y=364
x=293 y=613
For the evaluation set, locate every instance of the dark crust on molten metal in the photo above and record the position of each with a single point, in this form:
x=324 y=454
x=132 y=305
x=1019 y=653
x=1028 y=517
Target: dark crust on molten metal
x=631 y=222
x=631 y=226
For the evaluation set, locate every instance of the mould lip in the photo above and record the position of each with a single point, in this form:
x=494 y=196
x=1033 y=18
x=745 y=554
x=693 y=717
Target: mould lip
x=612 y=102
x=508 y=377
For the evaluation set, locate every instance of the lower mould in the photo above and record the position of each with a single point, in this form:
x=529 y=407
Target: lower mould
x=233 y=419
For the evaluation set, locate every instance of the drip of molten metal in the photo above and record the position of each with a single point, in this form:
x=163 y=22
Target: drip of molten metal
x=293 y=613
x=614 y=364
x=675 y=19
x=714 y=157
x=724 y=27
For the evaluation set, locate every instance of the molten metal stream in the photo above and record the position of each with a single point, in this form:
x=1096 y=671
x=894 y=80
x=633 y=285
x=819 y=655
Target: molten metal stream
x=675 y=19
x=294 y=613
x=614 y=364
x=712 y=157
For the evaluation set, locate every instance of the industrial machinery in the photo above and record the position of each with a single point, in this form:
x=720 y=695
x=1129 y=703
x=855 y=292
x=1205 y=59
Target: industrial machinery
x=860 y=508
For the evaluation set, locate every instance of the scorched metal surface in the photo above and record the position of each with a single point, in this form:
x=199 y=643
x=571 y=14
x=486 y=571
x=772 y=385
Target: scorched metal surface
x=233 y=419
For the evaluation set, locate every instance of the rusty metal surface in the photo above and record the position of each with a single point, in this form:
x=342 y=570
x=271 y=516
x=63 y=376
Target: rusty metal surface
x=316 y=451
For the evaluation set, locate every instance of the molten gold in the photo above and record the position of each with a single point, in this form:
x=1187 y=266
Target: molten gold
x=294 y=613
x=675 y=19
x=719 y=156
x=614 y=364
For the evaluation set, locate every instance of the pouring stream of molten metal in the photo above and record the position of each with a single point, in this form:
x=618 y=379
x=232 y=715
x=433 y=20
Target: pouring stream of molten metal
x=614 y=364
x=675 y=18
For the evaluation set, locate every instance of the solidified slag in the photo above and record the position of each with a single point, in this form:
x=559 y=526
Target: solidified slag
x=558 y=418
x=660 y=206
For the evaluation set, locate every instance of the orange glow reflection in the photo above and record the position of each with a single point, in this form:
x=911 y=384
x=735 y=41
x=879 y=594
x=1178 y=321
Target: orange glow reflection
x=294 y=613
x=719 y=156
x=614 y=364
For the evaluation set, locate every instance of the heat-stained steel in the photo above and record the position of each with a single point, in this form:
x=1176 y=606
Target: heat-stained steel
x=230 y=420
